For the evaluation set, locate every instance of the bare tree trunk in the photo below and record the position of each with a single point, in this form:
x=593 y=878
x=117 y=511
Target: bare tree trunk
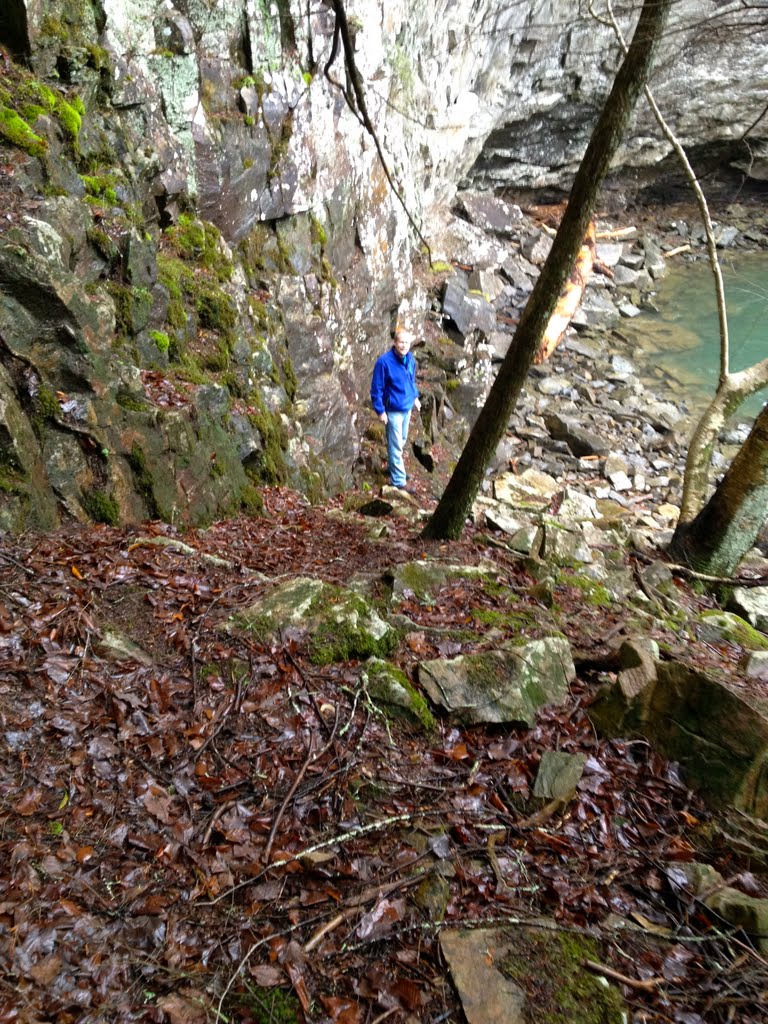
x=449 y=517
x=730 y=393
x=731 y=521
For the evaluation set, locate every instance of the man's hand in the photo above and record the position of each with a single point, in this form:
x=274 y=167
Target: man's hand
x=417 y=403
x=383 y=417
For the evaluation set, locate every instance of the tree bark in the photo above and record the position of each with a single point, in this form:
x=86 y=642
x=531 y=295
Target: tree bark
x=731 y=521
x=449 y=517
x=731 y=392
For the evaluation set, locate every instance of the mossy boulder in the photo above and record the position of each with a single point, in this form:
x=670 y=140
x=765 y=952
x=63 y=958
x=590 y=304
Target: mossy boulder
x=424 y=580
x=505 y=685
x=729 y=628
x=389 y=685
x=338 y=623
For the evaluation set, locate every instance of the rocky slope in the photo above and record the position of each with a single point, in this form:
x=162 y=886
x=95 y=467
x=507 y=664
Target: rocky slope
x=200 y=252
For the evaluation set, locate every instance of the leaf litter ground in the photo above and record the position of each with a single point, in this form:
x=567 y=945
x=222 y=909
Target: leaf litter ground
x=205 y=823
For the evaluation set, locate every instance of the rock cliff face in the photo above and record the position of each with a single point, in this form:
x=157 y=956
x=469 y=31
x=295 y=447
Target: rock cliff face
x=200 y=252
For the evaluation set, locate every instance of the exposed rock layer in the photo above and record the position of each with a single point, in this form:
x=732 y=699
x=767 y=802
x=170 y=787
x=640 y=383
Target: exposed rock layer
x=235 y=111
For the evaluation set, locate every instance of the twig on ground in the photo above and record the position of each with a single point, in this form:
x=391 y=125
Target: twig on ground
x=644 y=985
x=373 y=826
x=296 y=782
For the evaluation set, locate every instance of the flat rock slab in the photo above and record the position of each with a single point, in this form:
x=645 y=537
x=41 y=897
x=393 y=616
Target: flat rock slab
x=559 y=774
x=505 y=685
x=528 y=974
x=486 y=995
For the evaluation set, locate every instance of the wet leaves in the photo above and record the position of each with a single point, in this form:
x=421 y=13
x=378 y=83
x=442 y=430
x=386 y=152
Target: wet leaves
x=218 y=815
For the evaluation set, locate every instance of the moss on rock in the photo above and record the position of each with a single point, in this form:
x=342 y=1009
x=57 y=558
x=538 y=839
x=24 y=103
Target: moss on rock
x=549 y=968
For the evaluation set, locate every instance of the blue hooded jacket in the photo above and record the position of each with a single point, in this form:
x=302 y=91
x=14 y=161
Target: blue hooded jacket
x=393 y=386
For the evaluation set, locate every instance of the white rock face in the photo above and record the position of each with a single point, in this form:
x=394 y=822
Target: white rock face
x=504 y=93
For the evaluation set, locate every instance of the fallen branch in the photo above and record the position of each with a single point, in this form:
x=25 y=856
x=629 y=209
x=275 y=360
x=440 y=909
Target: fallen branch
x=645 y=985
x=354 y=833
x=360 y=901
x=728 y=581
x=677 y=251
x=12 y=561
x=616 y=233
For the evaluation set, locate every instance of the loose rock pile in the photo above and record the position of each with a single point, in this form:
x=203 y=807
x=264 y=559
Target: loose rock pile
x=595 y=416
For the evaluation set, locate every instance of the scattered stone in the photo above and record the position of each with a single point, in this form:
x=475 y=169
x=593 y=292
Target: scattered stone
x=580 y=440
x=628 y=309
x=726 y=627
x=432 y=896
x=622 y=366
x=755 y=665
x=738 y=909
x=486 y=994
x=424 y=580
x=340 y=623
x=390 y=685
x=118 y=644
x=536 y=247
x=486 y=283
x=577 y=507
x=489 y=213
x=609 y=253
x=468 y=311
x=529 y=973
x=564 y=547
x=559 y=774
x=752 y=604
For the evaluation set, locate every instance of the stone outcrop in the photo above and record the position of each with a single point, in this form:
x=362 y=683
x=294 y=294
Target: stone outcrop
x=202 y=255
x=683 y=712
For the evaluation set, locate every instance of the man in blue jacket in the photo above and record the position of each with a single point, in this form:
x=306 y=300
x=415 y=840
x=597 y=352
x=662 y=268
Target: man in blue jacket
x=394 y=394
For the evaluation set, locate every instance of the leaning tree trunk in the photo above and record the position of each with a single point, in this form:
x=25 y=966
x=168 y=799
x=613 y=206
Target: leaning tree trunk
x=449 y=517
x=731 y=521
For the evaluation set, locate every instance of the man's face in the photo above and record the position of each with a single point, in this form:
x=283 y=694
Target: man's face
x=402 y=343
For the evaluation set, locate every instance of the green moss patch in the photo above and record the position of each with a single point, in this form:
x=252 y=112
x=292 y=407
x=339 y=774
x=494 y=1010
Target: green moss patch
x=727 y=627
x=390 y=685
x=102 y=507
x=549 y=967
x=339 y=624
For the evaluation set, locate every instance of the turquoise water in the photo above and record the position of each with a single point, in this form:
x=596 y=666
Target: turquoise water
x=683 y=338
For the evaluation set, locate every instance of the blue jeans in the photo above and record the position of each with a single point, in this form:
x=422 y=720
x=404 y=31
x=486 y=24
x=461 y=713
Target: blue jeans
x=397 y=434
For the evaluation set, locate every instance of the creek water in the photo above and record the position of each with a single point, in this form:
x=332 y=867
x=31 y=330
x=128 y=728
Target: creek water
x=681 y=342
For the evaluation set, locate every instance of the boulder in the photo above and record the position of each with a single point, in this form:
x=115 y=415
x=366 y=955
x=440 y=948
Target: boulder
x=505 y=685
x=720 y=741
x=752 y=604
x=727 y=627
x=579 y=439
x=490 y=213
x=466 y=309
x=529 y=973
x=389 y=685
x=738 y=909
x=339 y=623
